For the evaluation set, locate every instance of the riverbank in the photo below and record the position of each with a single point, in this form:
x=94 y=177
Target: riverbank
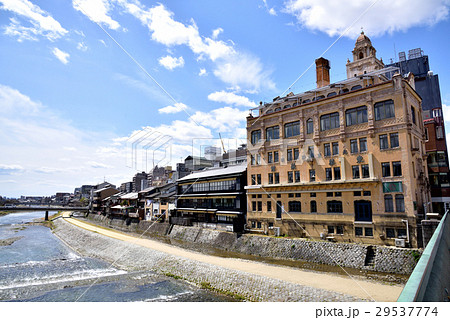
x=248 y=280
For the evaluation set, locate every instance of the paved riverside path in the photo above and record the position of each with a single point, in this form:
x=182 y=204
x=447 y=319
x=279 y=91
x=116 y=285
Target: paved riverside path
x=354 y=287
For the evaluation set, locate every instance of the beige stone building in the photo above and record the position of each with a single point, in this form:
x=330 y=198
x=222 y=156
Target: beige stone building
x=343 y=162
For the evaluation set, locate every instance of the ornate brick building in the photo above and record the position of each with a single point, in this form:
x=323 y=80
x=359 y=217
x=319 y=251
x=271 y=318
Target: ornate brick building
x=345 y=161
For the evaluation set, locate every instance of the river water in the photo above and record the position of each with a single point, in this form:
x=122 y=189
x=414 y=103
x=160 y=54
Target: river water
x=36 y=266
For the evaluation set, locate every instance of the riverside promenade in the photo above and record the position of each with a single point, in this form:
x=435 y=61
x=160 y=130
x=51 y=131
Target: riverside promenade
x=247 y=279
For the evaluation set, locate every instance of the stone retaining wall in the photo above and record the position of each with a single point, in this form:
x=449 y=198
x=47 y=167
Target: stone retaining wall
x=386 y=259
x=240 y=284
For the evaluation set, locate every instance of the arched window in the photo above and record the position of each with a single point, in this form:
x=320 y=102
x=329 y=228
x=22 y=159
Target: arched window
x=356 y=87
x=331 y=94
x=306 y=101
x=334 y=206
x=361 y=55
x=287 y=106
x=277 y=109
x=309 y=126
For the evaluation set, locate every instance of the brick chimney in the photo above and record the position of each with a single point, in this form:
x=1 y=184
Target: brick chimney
x=322 y=72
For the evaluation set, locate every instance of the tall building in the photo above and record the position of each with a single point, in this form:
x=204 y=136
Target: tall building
x=427 y=86
x=343 y=162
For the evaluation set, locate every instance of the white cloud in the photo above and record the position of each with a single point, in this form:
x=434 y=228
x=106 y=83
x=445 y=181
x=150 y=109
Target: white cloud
x=271 y=11
x=61 y=55
x=97 y=11
x=82 y=46
x=232 y=66
x=244 y=70
x=173 y=109
x=224 y=119
x=231 y=99
x=42 y=23
x=333 y=17
x=216 y=32
x=446 y=112
x=46 y=153
x=202 y=72
x=170 y=62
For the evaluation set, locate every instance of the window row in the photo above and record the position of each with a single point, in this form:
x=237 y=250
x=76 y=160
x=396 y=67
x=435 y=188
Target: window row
x=209 y=186
x=389 y=203
x=396 y=169
x=393 y=139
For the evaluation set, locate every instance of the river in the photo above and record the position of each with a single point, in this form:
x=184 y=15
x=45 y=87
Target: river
x=36 y=266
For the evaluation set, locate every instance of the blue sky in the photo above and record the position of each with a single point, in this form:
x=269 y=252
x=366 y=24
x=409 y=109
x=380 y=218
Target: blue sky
x=82 y=80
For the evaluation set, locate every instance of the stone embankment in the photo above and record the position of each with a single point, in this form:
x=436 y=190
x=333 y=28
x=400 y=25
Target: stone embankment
x=352 y=255
x=241 y=285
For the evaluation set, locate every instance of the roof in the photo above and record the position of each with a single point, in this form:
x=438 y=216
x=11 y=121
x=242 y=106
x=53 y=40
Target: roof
x=147 y=189
x=130 y=196
x=213 y=172
x=103 y=189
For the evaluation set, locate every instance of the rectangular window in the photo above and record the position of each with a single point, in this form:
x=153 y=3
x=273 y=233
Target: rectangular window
x=259 y=205
x=298 y=195
x=312 y=194
x=367 y=193
x=258 y=159
x=290 y=177
x=289 y=155
x=401 y=233
x=394 y=140
x=439 y=132
x=297 y=176
x=277 y=178
x=295 y=206
x=309 y=126
x=330 y=229
x=337 y=173
x=335 y=146
x=386 y=169
x=365 y=170
x=296 y=153
x=329 y=121
x=253 y=160
x=397 y=168
x=390 y=233
x=354 y=146
x=362 y=144
x=326 y=150
x=311 y=152
x=258 y=178
x=312 y=175
x=384 y=110
x=275 y=156
x=253 y=205
x=356 y=115
x=253 y=179
x=269 y=157
x=368 y=232
x=269 y=206
x=339 y=230
x=273 y=133
x=270 y=178
x=356 y=193
x=358 y=231
x=258 y=224
x=413 y=115
x=334 y=206
x=256 y=136
x=338 y=194
x=399 y=203
x=384 y=141
x=292 y=129
x=290 y=195
x=388 y=203
x=313 y=206
x=328 y=174
x=329 y=194
x=355 y=172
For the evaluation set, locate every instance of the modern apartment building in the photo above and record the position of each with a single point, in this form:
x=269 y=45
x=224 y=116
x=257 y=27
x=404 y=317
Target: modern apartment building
x=343 y=162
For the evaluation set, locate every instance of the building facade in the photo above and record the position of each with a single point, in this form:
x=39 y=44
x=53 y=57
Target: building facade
x=212 y=198
x=344 y=162
x=427 y=86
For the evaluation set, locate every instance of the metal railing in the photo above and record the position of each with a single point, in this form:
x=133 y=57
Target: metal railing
x=430 y=280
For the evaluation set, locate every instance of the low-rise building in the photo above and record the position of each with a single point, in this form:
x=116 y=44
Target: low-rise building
x=212 y=198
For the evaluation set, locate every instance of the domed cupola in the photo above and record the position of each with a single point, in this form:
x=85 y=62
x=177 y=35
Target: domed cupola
x=364 y=57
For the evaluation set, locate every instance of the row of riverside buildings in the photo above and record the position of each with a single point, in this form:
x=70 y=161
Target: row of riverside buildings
x=359 y=160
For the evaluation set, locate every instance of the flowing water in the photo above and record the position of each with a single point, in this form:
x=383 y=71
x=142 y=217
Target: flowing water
x=36 y=266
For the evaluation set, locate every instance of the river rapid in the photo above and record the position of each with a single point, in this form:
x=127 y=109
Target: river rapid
x=36 y=266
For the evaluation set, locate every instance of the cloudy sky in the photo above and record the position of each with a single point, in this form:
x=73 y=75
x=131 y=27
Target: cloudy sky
x=100 y=89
